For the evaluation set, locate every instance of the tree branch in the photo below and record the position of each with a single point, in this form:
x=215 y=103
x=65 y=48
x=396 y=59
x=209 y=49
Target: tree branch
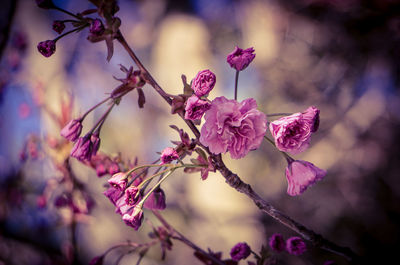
x=178 y=236
x=235 y=182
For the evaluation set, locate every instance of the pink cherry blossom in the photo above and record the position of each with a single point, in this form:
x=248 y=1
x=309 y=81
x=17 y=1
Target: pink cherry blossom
x=134 y=218
x=118 y=181
x=195 y=108
x=292 y=133
x=131 y=195
x=233 y=126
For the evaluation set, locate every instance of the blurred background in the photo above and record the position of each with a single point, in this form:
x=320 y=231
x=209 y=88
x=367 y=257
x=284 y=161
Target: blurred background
x=341 y=56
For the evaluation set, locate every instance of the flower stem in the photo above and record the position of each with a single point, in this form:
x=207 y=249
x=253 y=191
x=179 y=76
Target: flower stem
x=151 y=165
x=171 y=168
x=269 y=140
x=67 y=12
x=288 y=157
x=278 y=114
x=153 y=176
x=156 y=186
x=101 y=120
x=144 y=171
x=70 y=20
x=69 y=32
x=236 y=83
x=94 y=107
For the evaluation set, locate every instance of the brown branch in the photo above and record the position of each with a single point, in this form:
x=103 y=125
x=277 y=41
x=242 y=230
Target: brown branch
x=178 y=236
x=235 y=182
x=149 y=78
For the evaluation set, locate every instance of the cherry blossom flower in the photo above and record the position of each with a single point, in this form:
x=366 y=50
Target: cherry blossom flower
x=233 y=126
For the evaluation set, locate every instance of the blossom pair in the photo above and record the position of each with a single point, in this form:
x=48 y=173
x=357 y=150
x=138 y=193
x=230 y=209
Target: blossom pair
x=292 y=134
x=293 y=245
x=201 y=85
x=85 y=147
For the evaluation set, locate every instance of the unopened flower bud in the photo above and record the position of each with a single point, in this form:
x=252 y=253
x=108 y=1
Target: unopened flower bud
x=135 y=218
x=131 y=195
x=96 y=27
x=240 y=251
x=168 y=155
x=277 y=243
x=58 y=26
x=113 y=168
x=156 y=200
x=47 y=48
x=72 y=130
x=113 y=194
x=239 y=59
x=118 y=181
x=203 y=83
x=295 y=246
x=81 y=149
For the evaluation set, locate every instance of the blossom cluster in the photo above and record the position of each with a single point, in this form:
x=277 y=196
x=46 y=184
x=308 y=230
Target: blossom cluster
x=127 y=196
x=229 y=125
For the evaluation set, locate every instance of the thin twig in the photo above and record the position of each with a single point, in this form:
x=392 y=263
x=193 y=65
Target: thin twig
x=151 y=80
x=178 y=236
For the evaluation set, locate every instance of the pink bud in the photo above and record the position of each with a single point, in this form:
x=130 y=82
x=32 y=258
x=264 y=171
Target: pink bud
x=168 y=155
x=58 y=26
x=72 y=130
x=239 y=59
x=203 y=83
x=134 y=219
x=47 y=48
x=300 y=175
x=156 y=200
x=118 y=181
